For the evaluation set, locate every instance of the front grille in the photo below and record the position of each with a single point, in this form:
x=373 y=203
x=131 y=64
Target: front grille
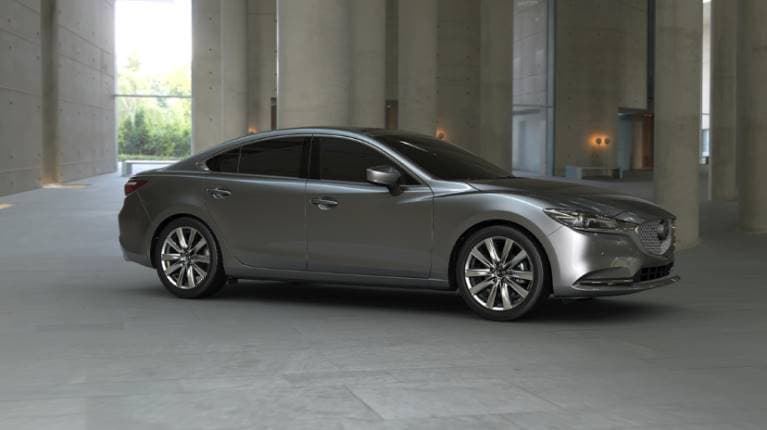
x=650 y=273
x=648 y=237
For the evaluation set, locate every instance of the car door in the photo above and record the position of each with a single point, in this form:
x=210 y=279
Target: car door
x=355 y=227
x=256 y=199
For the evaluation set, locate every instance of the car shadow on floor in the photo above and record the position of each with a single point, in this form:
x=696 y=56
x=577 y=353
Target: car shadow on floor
x=400 y=299
x=616 y=309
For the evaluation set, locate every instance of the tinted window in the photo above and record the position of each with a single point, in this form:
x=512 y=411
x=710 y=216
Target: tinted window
x=441 y=159
x=226 y=162
x=345 y=160
x=278 y=157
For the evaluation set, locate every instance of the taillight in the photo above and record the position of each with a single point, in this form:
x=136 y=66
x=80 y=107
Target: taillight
x=133 y=185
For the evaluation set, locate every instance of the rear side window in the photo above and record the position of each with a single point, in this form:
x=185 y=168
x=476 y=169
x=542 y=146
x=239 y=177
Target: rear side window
x=279 y=157
x=226 y=162
x=337 y=159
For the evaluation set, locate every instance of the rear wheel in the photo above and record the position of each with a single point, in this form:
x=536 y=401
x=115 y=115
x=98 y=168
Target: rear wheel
x=501 y=273
x=188 y=260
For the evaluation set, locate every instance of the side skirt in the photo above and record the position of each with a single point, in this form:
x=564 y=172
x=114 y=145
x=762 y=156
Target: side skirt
x=244 y=272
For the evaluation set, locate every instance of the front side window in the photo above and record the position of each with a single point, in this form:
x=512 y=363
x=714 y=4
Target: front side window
x=277 y=157
x=337 y=159
x=441 y=159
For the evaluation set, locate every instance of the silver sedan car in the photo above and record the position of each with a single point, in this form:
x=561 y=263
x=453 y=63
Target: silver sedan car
x=388 y=208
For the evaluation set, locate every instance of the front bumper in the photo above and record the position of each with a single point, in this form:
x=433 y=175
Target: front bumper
x=599 y=264
x=612 y=288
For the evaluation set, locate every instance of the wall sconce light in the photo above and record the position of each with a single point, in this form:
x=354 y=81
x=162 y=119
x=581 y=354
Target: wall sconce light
x=599 y=141
x=440 y=134
x=252 y=130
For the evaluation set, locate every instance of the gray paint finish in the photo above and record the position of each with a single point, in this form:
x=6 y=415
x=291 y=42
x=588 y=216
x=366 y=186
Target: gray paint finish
x=271 y=228
x=96 y=343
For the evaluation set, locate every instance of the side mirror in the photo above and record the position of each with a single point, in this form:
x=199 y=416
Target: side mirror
x=386 y=176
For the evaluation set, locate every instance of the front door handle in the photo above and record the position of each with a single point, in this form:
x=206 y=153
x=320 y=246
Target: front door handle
x=324 y=203
x=219 y=193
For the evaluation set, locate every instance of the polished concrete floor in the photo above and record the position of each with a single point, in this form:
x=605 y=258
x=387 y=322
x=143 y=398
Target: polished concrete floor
x=88 y=341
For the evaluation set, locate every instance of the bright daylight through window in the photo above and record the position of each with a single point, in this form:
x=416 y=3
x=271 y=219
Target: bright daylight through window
x=154 y=52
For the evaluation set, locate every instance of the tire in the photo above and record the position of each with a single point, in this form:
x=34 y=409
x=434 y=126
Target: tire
x=524 y=276
x=183 y=255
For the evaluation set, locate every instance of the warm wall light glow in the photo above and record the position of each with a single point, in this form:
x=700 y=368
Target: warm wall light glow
x=441 y=134
x=599 y=140
x=57 y=186
x=252 y=130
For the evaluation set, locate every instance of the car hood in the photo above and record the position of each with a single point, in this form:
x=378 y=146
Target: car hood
x=566 y=195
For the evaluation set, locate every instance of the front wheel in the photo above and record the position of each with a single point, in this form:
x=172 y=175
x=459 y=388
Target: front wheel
x=188 y=260
x=501 y=273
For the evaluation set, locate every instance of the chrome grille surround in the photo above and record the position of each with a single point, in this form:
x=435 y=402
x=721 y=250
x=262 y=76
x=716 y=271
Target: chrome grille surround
x=648 y=236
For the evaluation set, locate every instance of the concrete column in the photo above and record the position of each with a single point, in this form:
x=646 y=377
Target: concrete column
x=496 y=80
x=50 y=80
x=313 y=63
x=418 y=65
x=752 y=111
x=234 y=71
x=219 y=72
x=678 y=48
x=367 y=96
x=262 y=63
x=724 y=46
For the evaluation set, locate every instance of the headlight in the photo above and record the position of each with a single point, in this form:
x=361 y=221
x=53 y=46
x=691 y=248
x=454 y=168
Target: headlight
x=585 y=221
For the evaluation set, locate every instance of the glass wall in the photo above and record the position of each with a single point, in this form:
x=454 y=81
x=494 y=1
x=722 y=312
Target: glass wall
x=153 y=100
x=533 y=81
x=706 y=84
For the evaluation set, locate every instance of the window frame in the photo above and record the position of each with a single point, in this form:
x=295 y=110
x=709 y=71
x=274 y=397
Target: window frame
x=313 y=175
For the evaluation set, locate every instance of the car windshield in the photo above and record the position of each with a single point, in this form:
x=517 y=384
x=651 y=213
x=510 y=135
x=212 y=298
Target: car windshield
x=443 y=160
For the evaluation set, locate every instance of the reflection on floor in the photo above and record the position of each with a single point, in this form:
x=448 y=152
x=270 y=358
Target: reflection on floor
x=89 y=341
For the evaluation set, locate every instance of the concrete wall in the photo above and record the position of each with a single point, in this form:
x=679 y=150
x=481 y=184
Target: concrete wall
x=633 y=54
x=262 y=66
x=391 y=49
x=600 y=67
x=496 y=81
x=219 y=72
x=458 y=72
x=78 y=134
x=20 y=96
x=86 y=68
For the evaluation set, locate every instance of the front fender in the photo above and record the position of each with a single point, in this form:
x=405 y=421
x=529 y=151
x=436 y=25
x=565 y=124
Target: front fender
x=454 y=215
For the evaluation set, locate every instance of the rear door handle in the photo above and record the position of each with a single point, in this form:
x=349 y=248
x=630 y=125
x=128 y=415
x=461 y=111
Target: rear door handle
x=219 y=193
x=324 y=203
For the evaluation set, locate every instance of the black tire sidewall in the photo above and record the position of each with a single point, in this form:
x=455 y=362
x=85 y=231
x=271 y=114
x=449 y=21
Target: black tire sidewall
x=540 y=270
x=216 y=277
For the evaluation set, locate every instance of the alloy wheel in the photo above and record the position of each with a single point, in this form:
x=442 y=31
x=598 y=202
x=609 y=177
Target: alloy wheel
x=499 y=273
x=185 y=257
